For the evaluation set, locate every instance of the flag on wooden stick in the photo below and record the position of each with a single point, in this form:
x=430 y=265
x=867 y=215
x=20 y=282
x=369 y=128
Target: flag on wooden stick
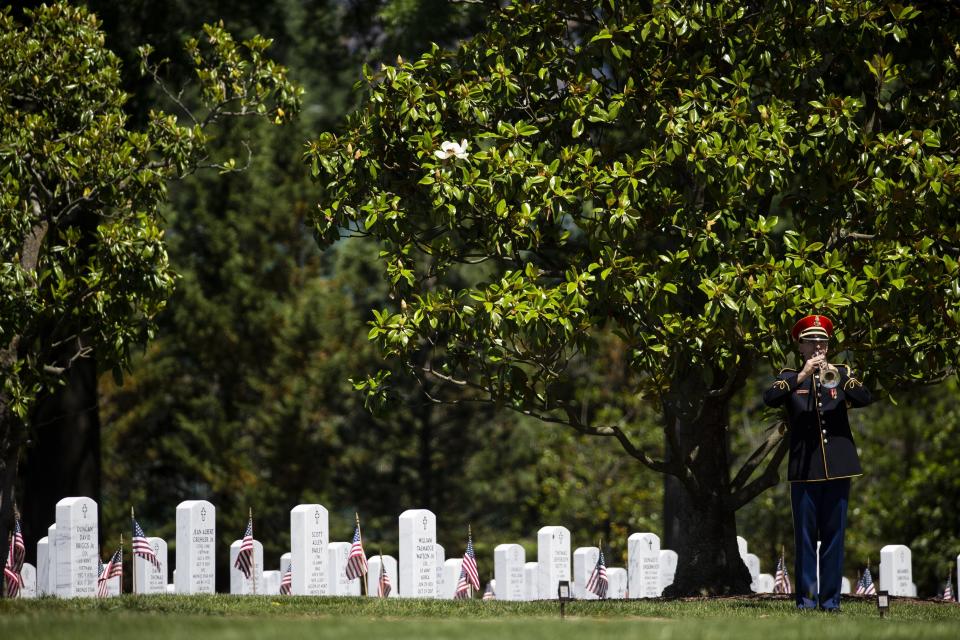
x=141 y=546
x=781 y=583
x=113 y=569
x=244 y=560
x=598 y=582
x=356 y=559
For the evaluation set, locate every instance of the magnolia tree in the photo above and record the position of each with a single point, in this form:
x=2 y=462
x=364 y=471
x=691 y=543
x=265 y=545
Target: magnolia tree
x=84 y=269
x=689 y=177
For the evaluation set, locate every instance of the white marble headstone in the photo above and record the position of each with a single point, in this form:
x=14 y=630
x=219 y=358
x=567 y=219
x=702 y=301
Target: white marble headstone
x=171 y=588
x=43 y=566
x=844 y=586
x=643 y=565
x=451 y=576
x=285 y=562
x=508 y=562
x=196 y=547
x=753 y=566
x=584 y=560
x=742 y=546
x=147 y=577
x=531 y=581
x=668 y=568
x=29 y=575
x=338 y=552
x=373 y=574
x=617 y=583
x=441 y=555
x=52 y=560
x=765 y=583
x=553 y=560
x=113 y=587
x=309 y=535
x=896 y=570
x=271 y=583
x=77 y=548
x=418 y=558
x=240 y=585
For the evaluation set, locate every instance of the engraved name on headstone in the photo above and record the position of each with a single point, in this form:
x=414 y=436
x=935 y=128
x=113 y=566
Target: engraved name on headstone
x=340 y=585
x=441 y=555
x=553 y=560
x=148 y=578
x=508 y=562
x=643 y=565
x=309 y=535
x=196 y=547
x=418 y=559
x=896 y=570
x=77 y=548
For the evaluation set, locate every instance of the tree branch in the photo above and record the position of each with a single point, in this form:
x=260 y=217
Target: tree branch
x=771 y=443
x=769 y=478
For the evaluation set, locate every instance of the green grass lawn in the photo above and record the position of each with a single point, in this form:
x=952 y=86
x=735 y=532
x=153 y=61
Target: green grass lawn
x=228 y=617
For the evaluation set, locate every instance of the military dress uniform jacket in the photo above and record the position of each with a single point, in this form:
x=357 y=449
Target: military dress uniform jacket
x=821 y=444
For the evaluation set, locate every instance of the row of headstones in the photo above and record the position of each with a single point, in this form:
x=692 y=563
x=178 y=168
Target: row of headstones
x=67 y=560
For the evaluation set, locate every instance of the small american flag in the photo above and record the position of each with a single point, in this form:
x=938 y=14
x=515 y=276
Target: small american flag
x=383 y=584
x=356 y=559
x=489 y=593
x=948 y=591
x=112 y=569
x=462 y=592
x=598 y=581
x=865 y=586
x=19 y=548
x=245 y=557
x=11 y=576
x=141 y=546
x=781 y=583
x=469 y=567
x=286 y=581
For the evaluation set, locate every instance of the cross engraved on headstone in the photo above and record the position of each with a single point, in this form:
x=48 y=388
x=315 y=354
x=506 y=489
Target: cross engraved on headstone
x=203 y=514
x=424 y=523
x=84 y=510
x=316 y=516
x=561 y=537
x=650 y=544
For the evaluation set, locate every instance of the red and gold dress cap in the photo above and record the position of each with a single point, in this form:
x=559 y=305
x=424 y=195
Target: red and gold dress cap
x=813 y=328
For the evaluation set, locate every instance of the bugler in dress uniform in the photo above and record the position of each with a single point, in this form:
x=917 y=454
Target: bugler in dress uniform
x=823 y=458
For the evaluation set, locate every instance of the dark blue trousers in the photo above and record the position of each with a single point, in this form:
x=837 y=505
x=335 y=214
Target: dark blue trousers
x=819 y=513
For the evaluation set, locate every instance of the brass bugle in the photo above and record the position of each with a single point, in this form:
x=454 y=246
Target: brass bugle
x=829 y=375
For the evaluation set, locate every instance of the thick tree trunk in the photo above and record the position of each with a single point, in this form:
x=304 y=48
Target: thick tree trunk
x=64 y=457
x=700 y=523
x=709 y=560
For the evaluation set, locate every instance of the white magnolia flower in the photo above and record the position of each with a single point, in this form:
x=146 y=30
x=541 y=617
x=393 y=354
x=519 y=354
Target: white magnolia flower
x=452 y=150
